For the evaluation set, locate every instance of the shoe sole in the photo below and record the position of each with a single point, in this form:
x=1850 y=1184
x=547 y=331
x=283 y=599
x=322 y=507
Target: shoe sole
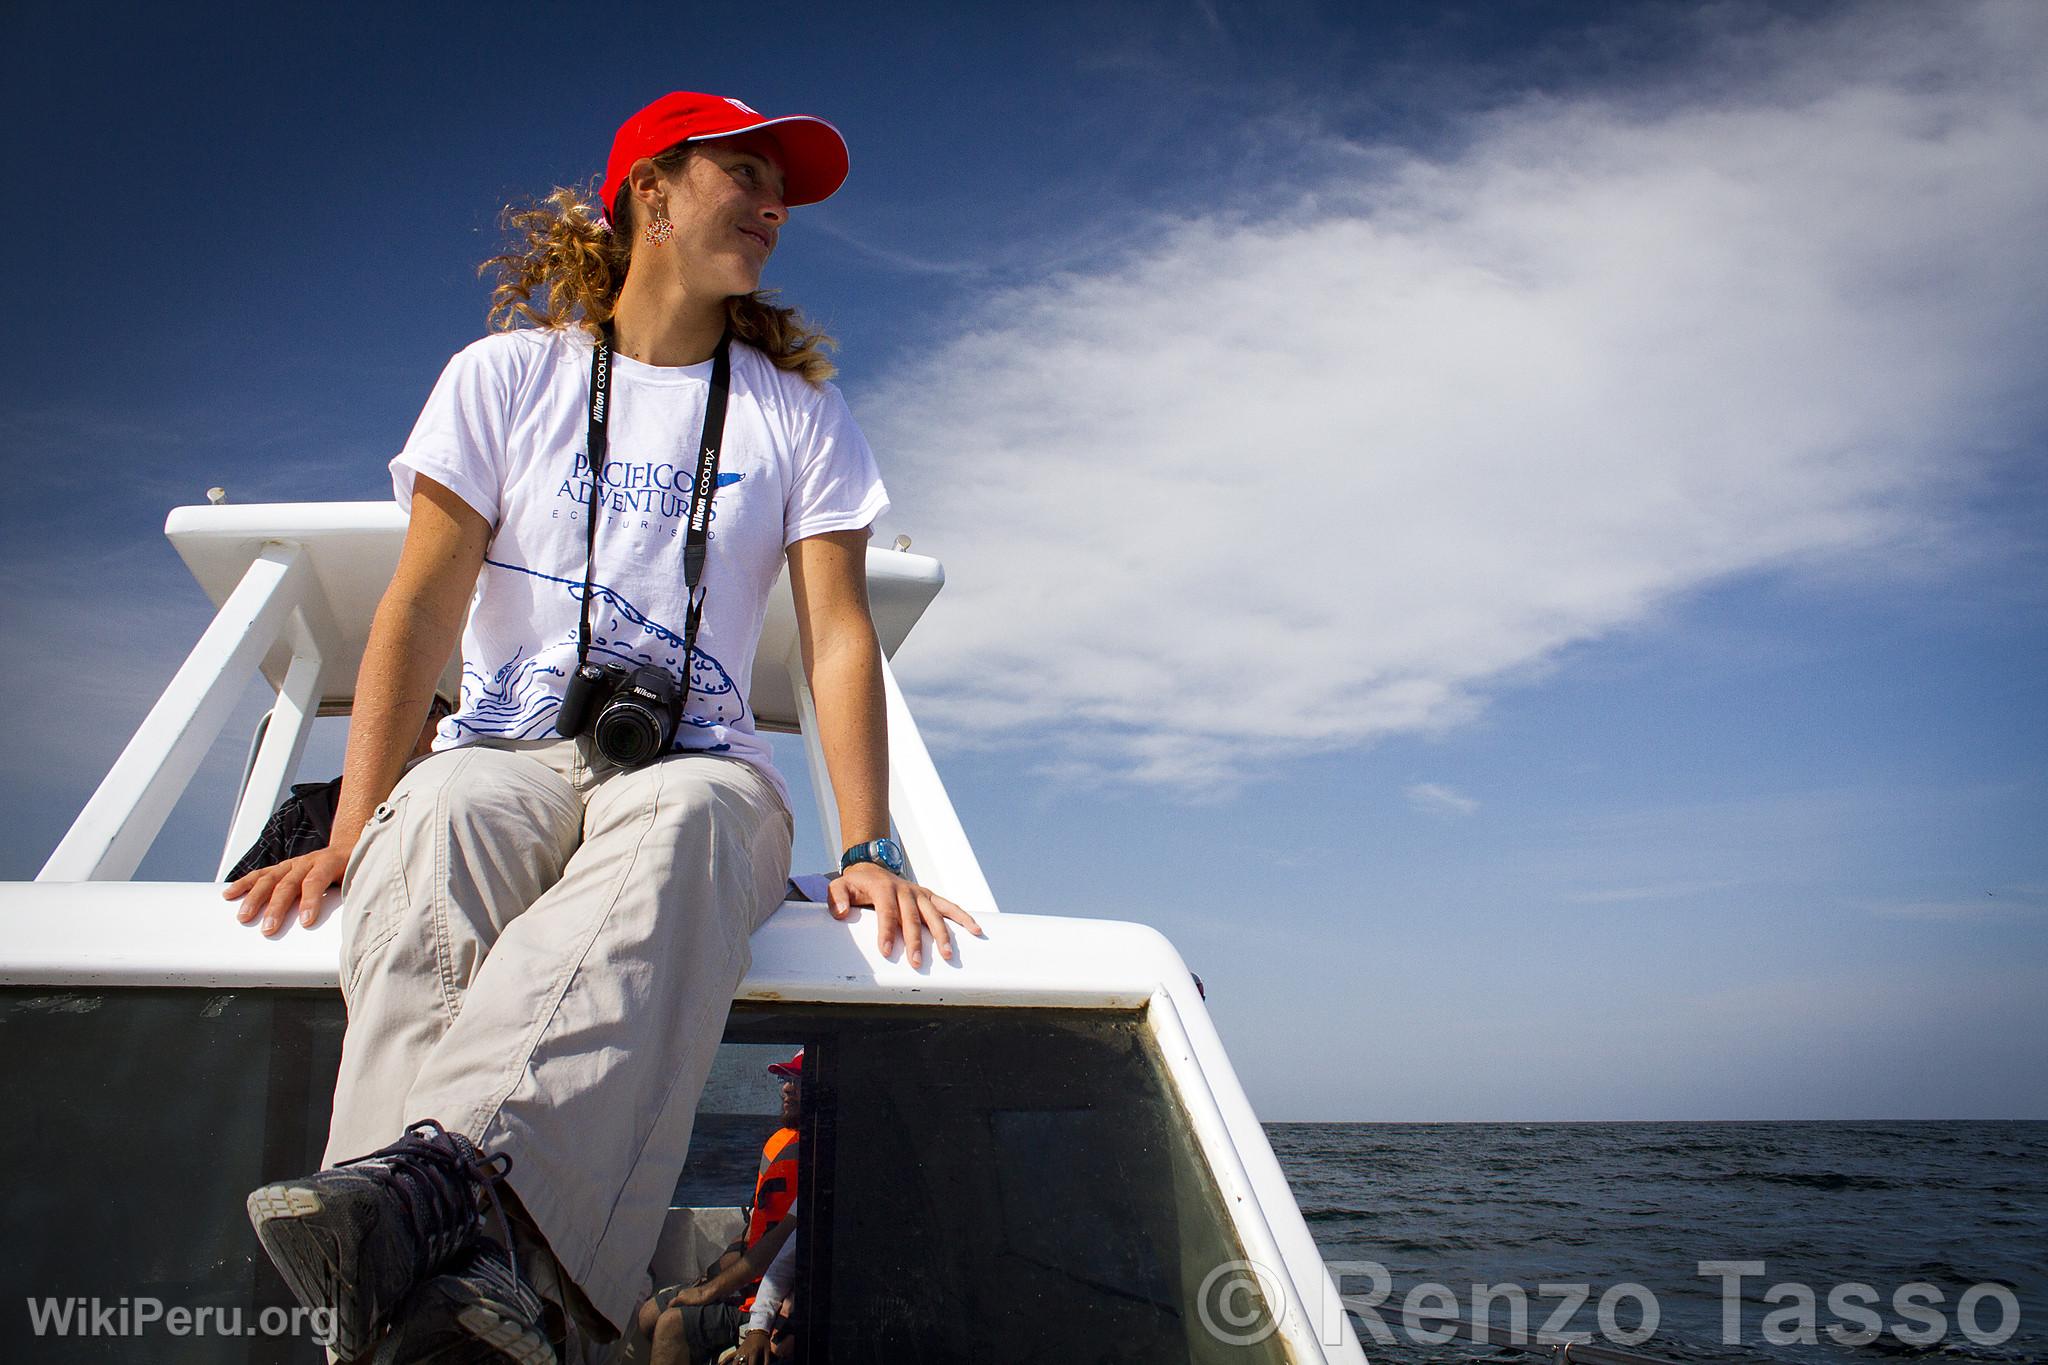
x=304 y=1258
x=513 y=1340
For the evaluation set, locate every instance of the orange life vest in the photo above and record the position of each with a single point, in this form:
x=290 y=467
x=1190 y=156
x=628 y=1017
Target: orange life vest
x=775 y=1186
x=774 y=1189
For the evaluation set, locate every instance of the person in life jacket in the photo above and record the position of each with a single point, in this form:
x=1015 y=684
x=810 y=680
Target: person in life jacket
x=775 y=1184
x=693 y=1325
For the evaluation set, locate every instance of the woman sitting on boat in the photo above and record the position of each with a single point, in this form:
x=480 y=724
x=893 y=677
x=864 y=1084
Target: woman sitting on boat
x=547 y=918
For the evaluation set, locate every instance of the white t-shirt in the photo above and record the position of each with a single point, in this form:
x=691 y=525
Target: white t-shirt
x=507 y=430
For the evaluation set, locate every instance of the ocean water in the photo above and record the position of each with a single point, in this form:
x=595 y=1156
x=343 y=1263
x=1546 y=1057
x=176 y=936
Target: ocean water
x=1951 y=1205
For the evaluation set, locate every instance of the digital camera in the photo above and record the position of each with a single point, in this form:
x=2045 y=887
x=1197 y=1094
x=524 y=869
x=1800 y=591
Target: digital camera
x=631 y=713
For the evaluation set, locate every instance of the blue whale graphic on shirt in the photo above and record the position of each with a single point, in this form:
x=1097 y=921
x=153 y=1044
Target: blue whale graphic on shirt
x=518 y=699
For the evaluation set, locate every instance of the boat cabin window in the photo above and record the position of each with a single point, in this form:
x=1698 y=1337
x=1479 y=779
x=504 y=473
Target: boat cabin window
x=975 y=1184
x=140 y=1120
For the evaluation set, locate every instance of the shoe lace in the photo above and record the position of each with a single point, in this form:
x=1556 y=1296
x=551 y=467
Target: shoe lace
x=436 y=1174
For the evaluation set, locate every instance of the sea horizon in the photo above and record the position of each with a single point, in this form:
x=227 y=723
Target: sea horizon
x=1765 y=1240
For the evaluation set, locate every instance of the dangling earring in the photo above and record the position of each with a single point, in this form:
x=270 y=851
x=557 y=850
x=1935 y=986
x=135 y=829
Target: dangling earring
x=659 y=230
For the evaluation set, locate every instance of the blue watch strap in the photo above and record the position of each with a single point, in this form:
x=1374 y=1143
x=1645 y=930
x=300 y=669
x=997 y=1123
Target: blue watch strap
x=881 y=852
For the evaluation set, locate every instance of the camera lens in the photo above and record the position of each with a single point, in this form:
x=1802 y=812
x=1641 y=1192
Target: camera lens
x=627 y=733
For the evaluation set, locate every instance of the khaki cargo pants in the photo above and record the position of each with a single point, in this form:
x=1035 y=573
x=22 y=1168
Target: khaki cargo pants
x=540 y=953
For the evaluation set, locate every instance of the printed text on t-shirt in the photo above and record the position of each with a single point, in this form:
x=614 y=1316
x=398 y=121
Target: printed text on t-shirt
x=662 y=489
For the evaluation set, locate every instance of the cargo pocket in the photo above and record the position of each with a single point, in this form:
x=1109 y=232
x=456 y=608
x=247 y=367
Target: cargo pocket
x=373 y=890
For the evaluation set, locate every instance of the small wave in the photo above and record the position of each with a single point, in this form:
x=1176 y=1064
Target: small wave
x=1410 y=1247
x=1813 y=1180
x=1942 y=1271
x=1316 y=1214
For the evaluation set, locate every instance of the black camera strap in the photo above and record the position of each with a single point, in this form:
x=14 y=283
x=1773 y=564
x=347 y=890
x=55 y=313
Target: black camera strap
x=701 y=490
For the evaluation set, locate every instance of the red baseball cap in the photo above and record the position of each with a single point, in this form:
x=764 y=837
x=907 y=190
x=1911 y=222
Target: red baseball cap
x=791 y=1070
x=813 y=152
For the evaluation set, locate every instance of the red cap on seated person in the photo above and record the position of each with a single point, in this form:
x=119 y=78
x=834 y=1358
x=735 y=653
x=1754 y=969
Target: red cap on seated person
x=791 y=1070
x=813 y=153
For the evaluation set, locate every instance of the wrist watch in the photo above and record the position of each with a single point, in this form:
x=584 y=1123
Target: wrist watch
x=882 y=852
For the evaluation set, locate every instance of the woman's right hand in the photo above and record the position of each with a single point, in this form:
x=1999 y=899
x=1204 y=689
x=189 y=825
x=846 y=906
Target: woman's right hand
x=272 y=892
x=417 y=623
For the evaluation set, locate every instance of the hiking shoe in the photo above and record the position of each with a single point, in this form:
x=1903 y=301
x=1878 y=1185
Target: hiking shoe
x=477 y=1312
x=355 y=1239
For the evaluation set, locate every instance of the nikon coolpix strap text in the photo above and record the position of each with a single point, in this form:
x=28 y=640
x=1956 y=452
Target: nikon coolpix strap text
x=706 y=484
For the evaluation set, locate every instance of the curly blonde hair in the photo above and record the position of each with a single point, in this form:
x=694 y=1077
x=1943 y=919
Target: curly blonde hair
x=565 y=267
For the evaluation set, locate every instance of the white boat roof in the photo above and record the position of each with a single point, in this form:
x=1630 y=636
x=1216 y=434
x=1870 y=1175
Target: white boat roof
x=97 y=936
x=89 y=934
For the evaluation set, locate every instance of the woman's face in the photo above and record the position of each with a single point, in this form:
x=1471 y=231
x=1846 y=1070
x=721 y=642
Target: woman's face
x=726 y=204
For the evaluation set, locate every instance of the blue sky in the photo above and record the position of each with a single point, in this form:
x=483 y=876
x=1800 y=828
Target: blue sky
x=1513 y=533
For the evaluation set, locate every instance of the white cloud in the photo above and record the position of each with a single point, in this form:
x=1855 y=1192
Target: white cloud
x=1433 y=798
x=1292 y=477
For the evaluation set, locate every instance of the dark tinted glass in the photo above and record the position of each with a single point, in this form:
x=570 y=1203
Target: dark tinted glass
x=979 y=1185
x=995 y=1185
x=139 y=1121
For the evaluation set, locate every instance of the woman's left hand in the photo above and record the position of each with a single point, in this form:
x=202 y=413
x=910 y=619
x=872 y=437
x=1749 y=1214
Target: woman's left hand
x=902 y=909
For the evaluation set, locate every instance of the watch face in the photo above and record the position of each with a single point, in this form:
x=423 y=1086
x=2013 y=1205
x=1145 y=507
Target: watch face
x=881 y=852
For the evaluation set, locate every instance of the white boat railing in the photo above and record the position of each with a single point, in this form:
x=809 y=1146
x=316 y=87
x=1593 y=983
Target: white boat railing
x=274 y=601
x=927 y=826
x=278 y=618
